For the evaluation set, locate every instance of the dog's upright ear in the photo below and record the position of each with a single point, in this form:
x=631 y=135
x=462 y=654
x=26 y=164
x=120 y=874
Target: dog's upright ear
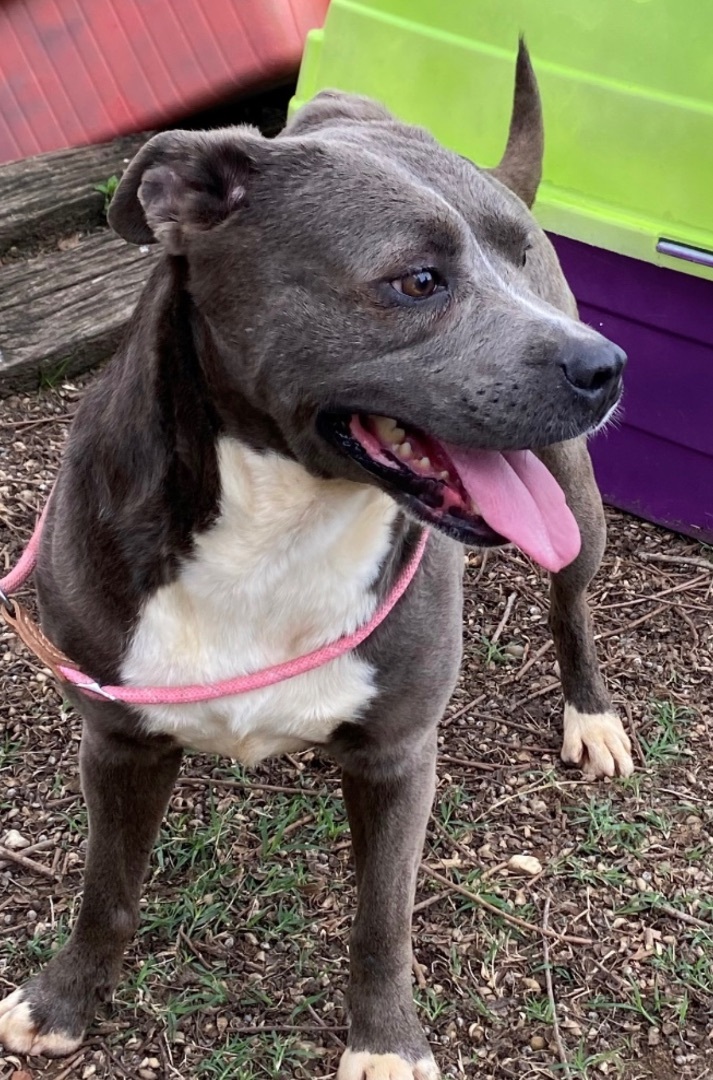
x=521 y=165
x=330 y=107
x=183 y=182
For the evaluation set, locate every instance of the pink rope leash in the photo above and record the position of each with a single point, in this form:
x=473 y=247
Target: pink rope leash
x=27 y=562
x=241 y=684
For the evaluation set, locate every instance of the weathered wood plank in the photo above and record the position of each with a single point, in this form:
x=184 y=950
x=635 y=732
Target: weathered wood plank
x=65 y=311
x=52 y=195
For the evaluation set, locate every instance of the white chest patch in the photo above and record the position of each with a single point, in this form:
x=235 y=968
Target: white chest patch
x=287 y=567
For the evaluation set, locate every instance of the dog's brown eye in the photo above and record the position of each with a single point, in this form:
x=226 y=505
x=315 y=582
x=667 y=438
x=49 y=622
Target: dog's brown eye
x=420 y=284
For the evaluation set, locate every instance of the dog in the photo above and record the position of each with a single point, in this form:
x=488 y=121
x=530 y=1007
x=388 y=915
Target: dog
x=350 y=347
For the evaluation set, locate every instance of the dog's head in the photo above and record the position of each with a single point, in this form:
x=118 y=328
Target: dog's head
x=393 y=310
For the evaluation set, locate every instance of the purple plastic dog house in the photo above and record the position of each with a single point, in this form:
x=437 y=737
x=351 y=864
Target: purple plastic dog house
x=658 y=463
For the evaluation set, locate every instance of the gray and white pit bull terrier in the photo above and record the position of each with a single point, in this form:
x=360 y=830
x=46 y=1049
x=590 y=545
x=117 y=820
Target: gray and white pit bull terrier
x=352 y=333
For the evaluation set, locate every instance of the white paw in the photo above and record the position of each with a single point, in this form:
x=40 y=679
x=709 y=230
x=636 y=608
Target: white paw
x=367 y=1066
x=19 y=1034
x=597 y=743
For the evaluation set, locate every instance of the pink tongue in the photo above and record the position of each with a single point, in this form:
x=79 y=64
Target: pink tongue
x=519 y=498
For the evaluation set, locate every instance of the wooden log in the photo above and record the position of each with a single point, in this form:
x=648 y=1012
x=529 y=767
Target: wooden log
x=53 y=195
x=63 y=312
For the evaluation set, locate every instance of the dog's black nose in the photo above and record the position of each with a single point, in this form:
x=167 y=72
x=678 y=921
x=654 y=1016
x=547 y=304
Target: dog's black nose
x=593 y=366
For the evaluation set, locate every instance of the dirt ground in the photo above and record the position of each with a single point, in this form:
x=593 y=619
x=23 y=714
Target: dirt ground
x=601 y=964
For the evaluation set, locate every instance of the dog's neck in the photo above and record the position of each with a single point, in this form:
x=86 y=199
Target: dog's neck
x=179 y=438
x=278 y=519
x=238 y=416
x=180 y=330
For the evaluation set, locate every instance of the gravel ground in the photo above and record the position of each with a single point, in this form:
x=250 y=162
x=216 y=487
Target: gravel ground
x=600 y=963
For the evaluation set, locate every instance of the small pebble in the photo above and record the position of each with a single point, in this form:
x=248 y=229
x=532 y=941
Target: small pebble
x=14 y=840
x=526 y=864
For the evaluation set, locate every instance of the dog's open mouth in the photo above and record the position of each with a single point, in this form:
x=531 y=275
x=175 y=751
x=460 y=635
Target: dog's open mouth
x=480 y=497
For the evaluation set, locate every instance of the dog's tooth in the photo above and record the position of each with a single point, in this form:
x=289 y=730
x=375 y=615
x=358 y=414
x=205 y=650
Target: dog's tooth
x=445 y=475
x=404 y=450
x=397 y=435
x=385 y=427
x=424 y=463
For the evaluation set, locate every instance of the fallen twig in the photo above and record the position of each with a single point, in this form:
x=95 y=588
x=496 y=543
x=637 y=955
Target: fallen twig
x=503 y=622
x=571 y=939
x=41 y=845
x=282 y=1029
x=464 y=709
x=678 y=560
x=683 y=587
x=619 y=630
x=183 y=936
x=296 y=825
x=323 y=1027
x=551 y=991
x=550 y=781
x=683 y=614
x=418 y=973
x=484 y=766
x=22 y=425
x=684 y=917
x=430 y=901
x=7 y=855
x=634 y=733
x=610 y=975
x=246 y=785
x=550 y=688
x=69 y=1067
x=532 y=660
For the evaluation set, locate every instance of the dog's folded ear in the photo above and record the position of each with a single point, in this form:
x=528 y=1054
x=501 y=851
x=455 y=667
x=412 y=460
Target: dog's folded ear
x=521 y=166
x=183 y=182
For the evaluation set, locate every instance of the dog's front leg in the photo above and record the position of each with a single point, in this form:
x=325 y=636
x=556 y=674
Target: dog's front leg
x=126 y=785
x=388 y=820
x=594 y=737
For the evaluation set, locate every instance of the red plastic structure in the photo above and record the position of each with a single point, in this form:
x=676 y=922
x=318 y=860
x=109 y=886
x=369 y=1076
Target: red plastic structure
x=73 y=72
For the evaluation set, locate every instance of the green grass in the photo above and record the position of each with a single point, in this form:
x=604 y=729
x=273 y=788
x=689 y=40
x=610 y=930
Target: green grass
x=51 y=377
x=663 y=742
x=107 y=188
x=492 y=653
x=607 y=827
x=43 y=947
x=684 y=970
x=538 y=1009
x=591 y=871
x=264 y=1057
x=448 y=809
x=583 y=1065
x=262 y=893
x=9 y=752
x=691 y=962
x=76 y=817
x=432 y=1005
